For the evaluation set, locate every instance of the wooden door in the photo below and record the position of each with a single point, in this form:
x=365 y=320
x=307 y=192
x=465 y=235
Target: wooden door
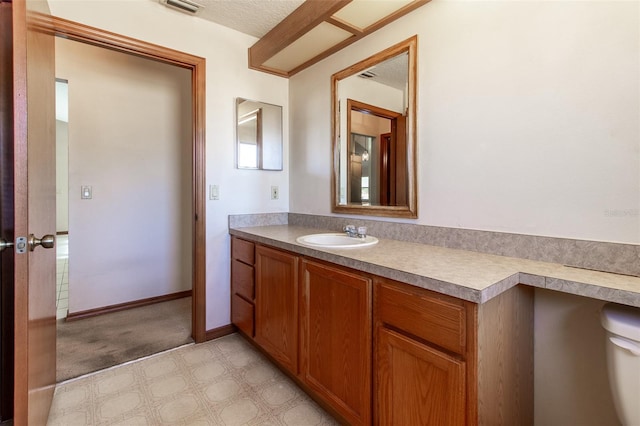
x=416 y=384
x=393 y=164
x=6 y=214
x=386 y=159
x=336 y=328
x=34 y=134
x=277 y=305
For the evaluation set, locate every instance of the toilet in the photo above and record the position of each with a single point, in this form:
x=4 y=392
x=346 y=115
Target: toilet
x=622 y=324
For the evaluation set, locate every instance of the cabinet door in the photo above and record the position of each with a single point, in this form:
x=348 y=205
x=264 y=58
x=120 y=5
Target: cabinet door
x=336 y=328
x=277 y=305
x=416 y=384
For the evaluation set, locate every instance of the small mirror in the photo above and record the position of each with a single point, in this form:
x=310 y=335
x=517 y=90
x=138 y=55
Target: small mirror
x=259 y=135
x=374 y=134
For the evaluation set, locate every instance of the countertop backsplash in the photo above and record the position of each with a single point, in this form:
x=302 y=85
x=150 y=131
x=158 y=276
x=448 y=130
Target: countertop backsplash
x=600 y=256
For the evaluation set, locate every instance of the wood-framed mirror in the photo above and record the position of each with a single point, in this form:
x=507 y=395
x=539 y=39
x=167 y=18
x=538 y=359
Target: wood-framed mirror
x=374 y=134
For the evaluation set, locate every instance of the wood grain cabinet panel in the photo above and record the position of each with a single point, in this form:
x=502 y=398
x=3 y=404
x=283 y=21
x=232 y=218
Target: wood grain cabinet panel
x=243 y=280
x=242 y=314
x=417 y=385
x=277 y=305
x=336 y=331
x=243 y=286
x=444 y=361
x=421 y=348
x=436 y=318
x=243 y=250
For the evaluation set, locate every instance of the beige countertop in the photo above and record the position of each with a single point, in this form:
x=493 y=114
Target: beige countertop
x=472 y=276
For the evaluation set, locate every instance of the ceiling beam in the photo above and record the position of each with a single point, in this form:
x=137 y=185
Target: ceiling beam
x=356 y=35
x=306 y=17
x=344 y=25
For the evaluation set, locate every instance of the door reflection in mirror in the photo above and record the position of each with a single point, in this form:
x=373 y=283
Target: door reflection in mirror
x=363 y=177
x=249 y=139
x=378 y=151
x=258 y=135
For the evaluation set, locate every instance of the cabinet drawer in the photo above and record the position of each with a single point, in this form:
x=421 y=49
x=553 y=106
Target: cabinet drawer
x=242 y=279
x=417 y=312
x=243 y=251
x=242 y=314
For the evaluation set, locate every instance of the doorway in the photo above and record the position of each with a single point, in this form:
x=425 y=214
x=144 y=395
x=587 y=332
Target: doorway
x=33 y=381
x=62 y=198
x=129 y=211
x=195 y=197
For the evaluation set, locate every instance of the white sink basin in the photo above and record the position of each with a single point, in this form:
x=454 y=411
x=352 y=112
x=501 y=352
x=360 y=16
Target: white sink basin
x=336 y=240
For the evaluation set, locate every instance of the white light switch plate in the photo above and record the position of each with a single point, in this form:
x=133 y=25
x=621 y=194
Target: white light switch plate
x=214 y=192
x=86 y=192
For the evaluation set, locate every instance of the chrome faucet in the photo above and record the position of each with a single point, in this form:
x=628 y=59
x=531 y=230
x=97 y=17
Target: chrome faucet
x=352 y=231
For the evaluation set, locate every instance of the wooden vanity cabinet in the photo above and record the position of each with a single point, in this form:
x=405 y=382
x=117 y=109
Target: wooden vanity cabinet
x=421 y=352
x=243 y=285
x=277 y=305
x=377 y=351
x=336 y=332
x=440 y=360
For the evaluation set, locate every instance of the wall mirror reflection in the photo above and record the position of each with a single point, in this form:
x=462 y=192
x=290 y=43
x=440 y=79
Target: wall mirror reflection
x=258 y=135
x=374 y=134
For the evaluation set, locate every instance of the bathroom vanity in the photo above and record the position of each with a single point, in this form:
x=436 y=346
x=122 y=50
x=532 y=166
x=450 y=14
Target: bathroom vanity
x=376 y=345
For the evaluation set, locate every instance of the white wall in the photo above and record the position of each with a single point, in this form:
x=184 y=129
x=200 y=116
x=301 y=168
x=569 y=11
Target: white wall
x=528 y=117
x=130 y=139
x=62 y=176
x=228 y=77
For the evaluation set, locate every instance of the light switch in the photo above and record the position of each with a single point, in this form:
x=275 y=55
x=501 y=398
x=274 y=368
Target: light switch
x=214 y=192
x=86 y=192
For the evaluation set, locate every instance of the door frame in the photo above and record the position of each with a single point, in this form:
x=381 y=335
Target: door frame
x=101 y=38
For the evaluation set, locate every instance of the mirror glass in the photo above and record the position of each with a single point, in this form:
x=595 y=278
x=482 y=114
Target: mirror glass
x=374 y=134
x=258 y=135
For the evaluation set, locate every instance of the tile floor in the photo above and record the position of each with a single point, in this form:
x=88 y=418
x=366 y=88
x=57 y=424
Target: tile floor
x=221 y=382
x=62 y=276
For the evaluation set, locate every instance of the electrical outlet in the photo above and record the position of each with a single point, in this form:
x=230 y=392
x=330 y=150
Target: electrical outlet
x=275 y=192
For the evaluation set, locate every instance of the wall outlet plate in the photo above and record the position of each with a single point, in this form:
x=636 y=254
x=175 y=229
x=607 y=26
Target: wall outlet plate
x=275 y=192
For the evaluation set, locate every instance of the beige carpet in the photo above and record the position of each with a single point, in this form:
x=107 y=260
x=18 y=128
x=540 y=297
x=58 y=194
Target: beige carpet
x=92 y=344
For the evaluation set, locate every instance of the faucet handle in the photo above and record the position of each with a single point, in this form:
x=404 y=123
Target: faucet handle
x=362 y=231
x=350 y=230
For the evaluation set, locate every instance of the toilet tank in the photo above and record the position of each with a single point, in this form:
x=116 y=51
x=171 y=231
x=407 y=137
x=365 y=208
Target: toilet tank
x=622 y=324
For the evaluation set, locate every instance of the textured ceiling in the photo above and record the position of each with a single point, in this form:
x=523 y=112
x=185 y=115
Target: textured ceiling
x=253 y=17
x=392 y=72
